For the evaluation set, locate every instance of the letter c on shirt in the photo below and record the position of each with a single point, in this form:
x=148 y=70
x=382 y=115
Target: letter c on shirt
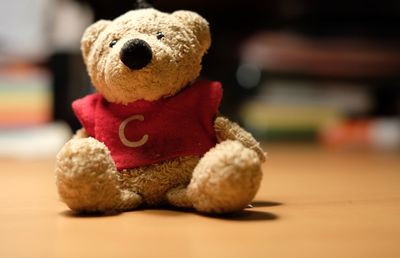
x=122 y=137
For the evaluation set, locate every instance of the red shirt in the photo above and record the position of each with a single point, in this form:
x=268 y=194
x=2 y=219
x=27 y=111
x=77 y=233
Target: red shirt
x=146 y=132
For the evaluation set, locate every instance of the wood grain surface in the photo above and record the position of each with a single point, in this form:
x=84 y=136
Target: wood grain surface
x=313 y=203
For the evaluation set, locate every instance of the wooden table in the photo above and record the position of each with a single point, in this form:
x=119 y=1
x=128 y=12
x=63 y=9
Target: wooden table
x=313 y=203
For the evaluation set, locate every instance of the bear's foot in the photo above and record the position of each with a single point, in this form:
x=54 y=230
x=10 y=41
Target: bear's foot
x=178 y=197
x=226 y=179
x=87 y=181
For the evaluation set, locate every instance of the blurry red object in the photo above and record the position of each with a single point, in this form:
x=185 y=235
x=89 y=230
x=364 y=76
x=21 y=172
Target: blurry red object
x=375 y=133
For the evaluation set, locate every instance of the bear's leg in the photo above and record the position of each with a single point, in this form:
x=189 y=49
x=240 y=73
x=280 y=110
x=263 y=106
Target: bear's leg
x=87 y=181
x=226 y=178
x=178 y=197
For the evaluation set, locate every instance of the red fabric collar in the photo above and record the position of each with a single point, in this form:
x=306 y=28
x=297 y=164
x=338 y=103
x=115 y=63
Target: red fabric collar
x=143 y=132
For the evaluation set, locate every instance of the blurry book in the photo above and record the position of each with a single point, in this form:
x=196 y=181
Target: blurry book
x=295 y=109
x=285 y=122
x=378 y=133
x=26 y=127
x=25 y=96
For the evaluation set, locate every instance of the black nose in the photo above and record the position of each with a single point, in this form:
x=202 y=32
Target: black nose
x=136 y=54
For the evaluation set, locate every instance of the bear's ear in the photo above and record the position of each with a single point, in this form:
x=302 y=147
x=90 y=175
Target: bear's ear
x=198 y=25
x=90 y=35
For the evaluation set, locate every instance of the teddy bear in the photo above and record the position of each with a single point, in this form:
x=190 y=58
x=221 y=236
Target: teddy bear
x=152 y=134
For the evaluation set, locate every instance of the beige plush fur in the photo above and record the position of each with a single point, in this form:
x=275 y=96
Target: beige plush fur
x=225 y=179
x=176 y=58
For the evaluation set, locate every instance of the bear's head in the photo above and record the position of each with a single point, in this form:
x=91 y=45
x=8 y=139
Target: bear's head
x=145 y=54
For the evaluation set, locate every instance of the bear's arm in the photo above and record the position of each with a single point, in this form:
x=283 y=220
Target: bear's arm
x=228 y=130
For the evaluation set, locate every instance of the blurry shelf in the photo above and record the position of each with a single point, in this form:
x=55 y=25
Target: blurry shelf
x=344 y=58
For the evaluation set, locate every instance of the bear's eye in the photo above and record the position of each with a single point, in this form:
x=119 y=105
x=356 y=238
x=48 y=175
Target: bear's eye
x=160 y=35
x=112 y=43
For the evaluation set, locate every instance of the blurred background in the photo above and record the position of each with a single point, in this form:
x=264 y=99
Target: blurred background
x=321 y=72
